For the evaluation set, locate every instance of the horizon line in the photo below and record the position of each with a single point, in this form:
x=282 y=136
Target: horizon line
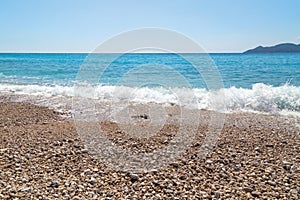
x=52 y=52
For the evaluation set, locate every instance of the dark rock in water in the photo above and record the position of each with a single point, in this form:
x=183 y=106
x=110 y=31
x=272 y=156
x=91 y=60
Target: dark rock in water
x=280 y=48
x=143 y=116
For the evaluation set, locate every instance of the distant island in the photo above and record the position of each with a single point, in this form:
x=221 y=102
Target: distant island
x=280 y=48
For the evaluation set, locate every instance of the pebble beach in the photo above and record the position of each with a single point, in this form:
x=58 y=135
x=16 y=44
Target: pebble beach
x=42 y=157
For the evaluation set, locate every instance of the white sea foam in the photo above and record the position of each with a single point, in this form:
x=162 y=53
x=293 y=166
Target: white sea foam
x=260 y=98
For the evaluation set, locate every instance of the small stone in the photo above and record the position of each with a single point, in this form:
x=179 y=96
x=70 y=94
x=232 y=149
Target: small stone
x=174 y=164
x=255 y=193
x=26 y=189
x=286 y=165
x=176 y=183
x=269 y=145
x=271 y=183
x=248 y=189
x=289 y=175
x=154 y=171
x=203 y=194
x=54 y=184
x=217 y=195
x=95 y=175
x=80 y=187
x=294 y=168
x=284 y=162
x=252 y=174
x=268 y=170
x=257 y=149
x=3 y=150
x=209 y=161
x=84 y=151
x=155 y=182
x=126 y=190
x=133 y=177
x=96 y=170
x=92 y=180
x=168 y=191
x=293 y=191
x=87 y=171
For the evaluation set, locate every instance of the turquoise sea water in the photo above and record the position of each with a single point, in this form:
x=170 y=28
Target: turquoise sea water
x=239 y=70
x=257 y=82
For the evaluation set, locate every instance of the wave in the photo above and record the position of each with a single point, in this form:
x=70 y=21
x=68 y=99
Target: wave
x=260 y=98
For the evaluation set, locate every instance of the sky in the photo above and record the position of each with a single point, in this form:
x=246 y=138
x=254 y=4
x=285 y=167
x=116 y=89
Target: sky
x=81 y=25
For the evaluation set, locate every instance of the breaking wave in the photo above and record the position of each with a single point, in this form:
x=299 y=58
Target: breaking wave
x=260 y=98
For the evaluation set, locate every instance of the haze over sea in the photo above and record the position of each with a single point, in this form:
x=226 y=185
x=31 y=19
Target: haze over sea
x=268 y=83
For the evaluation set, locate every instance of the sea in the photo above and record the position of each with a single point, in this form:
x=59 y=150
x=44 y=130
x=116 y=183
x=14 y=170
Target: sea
x=260 y=83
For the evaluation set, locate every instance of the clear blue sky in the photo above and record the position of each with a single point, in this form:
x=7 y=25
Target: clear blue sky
x=80 y=25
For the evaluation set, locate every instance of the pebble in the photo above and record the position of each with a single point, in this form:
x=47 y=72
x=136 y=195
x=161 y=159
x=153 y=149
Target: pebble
x=92 y=180
x=286 y=165
x=294 y=168
x=255 y=193
x=248 y=189
x=203 y=193
x=3 y=150
x=26 y=189
x=175 y=164
x=126 y=190
x=133 y=177
x=168 y=191
x=269 y=145
x=257 y=149
x=284 y=162
x=54 y=184
x=217 y=194
x=272 y=183
x=209 y=161
x=294 y=192
x=87 y=171
x=84 y=151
